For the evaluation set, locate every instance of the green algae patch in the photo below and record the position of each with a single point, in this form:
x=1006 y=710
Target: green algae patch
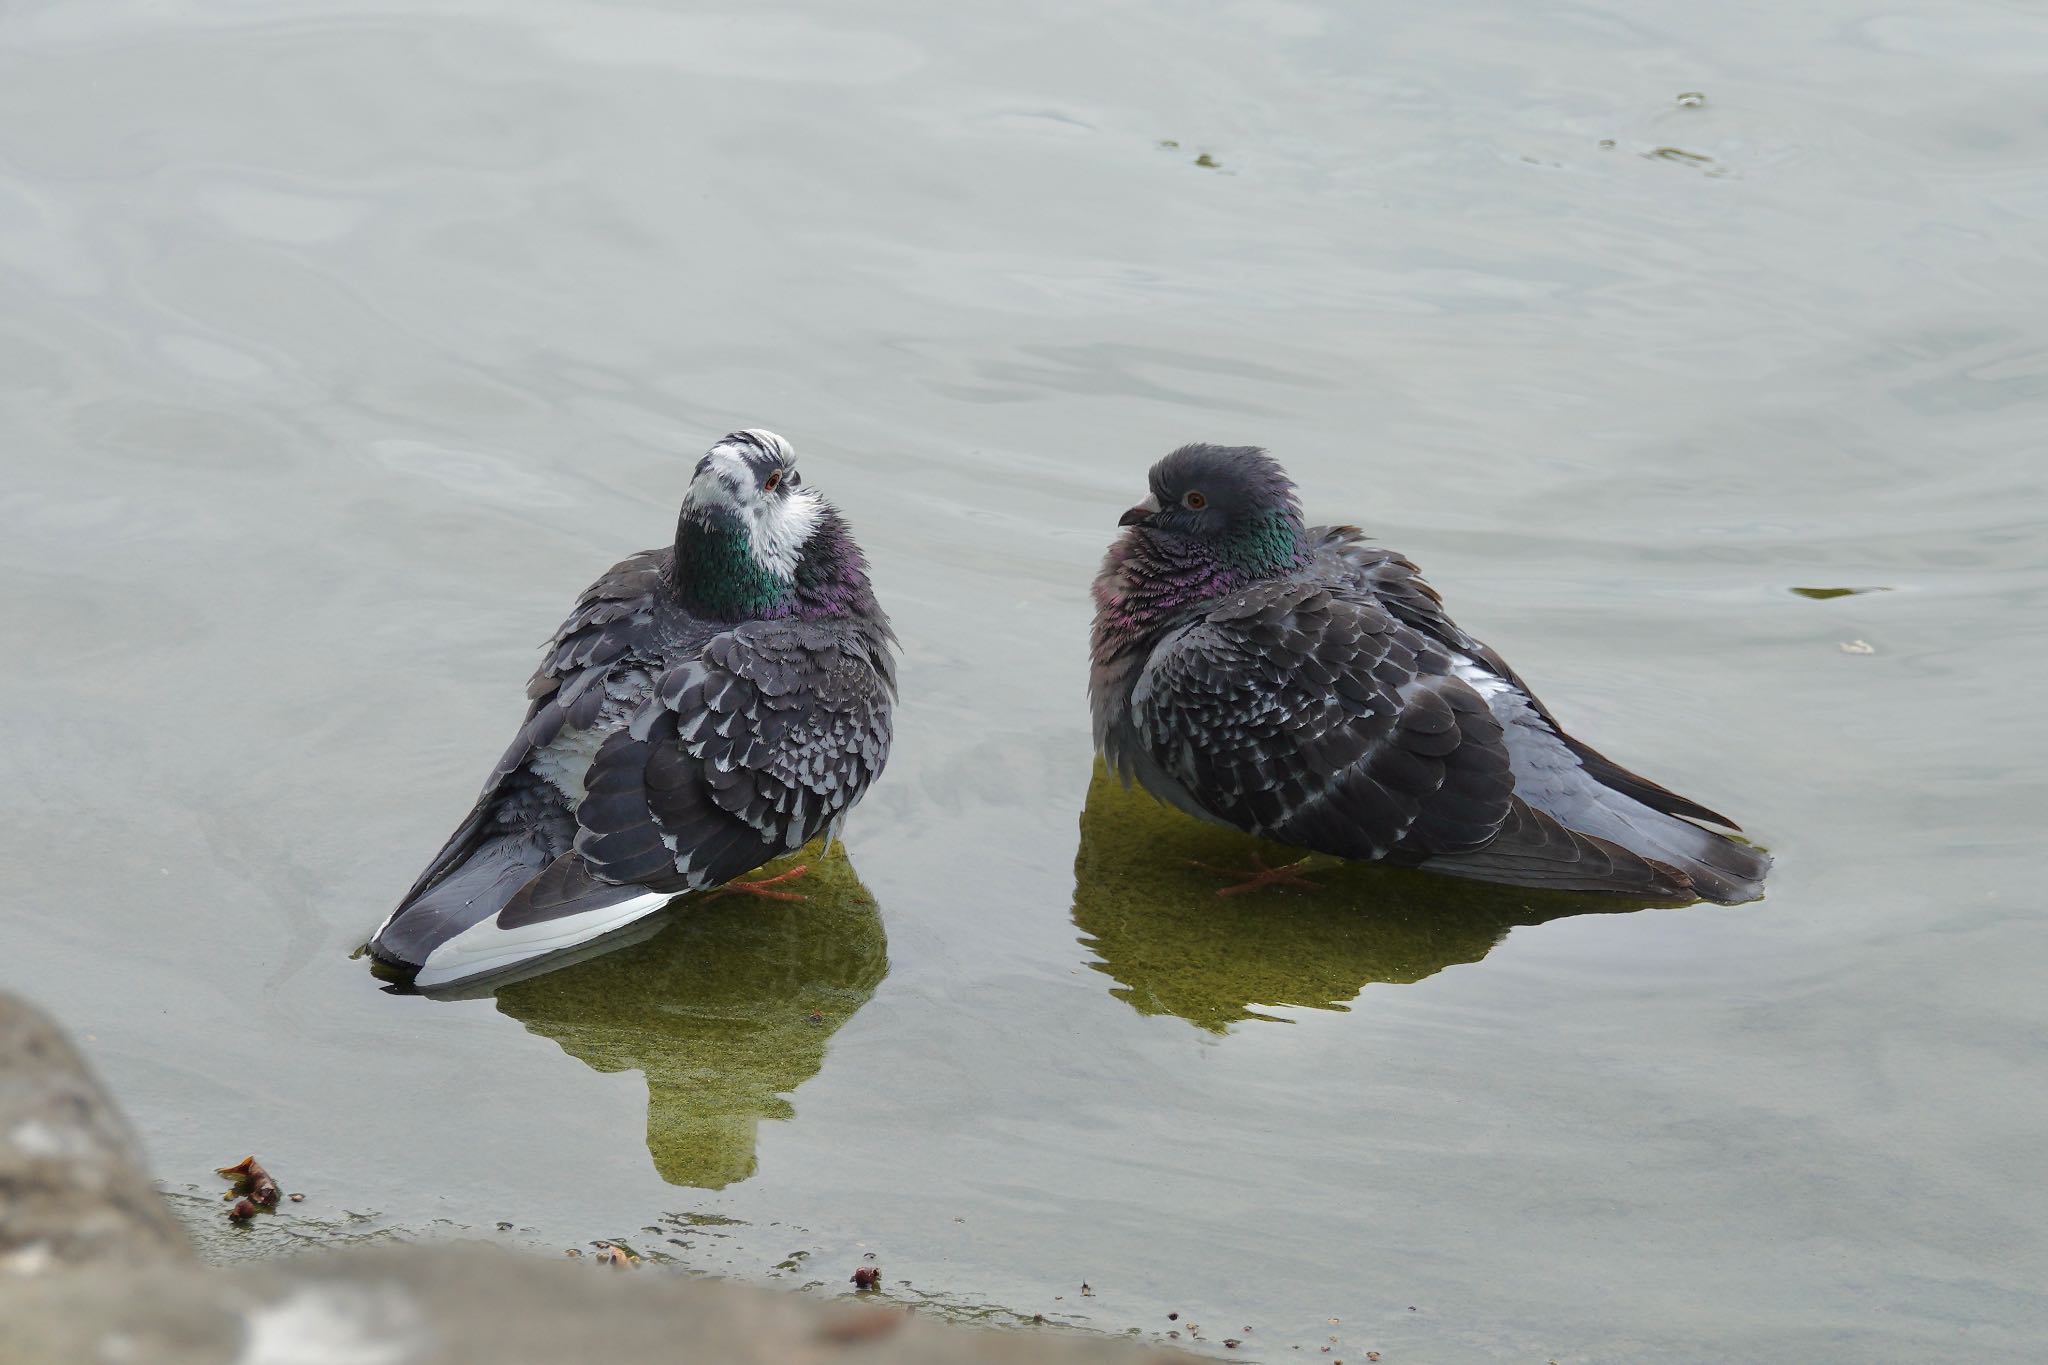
x=725 y=1011
x=1173 y=946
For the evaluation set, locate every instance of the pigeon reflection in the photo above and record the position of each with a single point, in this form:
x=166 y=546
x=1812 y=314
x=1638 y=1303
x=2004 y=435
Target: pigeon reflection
x=1175 y=947
x=725 y=1009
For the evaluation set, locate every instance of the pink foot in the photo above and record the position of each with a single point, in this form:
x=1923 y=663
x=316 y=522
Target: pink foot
x=1260 y=876
x=760 y=887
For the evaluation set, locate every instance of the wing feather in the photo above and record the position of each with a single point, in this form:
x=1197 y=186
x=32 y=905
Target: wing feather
x=751 y=749
x=1397 y=583
x=568 y=689
x=1322 y=721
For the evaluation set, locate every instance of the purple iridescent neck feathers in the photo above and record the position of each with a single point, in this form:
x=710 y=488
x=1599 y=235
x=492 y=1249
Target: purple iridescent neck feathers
x=832 y=575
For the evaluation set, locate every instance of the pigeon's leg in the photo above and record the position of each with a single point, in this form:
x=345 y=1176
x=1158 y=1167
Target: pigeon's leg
x=763 y=886
x=1259 y=876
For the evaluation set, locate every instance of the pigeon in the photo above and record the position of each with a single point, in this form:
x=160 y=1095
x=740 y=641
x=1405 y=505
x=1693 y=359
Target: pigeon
x=707 y=707
x=1301 y=684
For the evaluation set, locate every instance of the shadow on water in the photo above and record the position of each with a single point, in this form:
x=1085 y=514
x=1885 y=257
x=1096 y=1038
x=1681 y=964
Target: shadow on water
x=725 y=1010
x=1175 y=947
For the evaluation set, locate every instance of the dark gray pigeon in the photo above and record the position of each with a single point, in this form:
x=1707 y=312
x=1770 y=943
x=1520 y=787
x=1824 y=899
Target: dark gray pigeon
x=1300 y=684
x=707 y=707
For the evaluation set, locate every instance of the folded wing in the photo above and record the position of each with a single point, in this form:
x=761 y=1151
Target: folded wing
x=750 y=750
x=1317 y=719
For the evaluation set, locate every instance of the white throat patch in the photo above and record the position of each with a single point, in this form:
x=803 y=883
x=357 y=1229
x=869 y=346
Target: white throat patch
x=781 y=528
x=778 y=523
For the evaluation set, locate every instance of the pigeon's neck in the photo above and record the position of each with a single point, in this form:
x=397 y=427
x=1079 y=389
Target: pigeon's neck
x=832 y=574
x=1266 y=546
x=720 y=574
x=717 y=573
x=1145 y=586
x=1151 y=582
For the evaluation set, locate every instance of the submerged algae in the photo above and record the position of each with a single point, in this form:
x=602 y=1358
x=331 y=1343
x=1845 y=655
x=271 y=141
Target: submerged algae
x=724 y=1011
x=1175 y=947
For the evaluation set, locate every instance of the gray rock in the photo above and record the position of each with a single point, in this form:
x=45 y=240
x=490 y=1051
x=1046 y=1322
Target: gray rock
x=72 y=1183
x=470 y=1302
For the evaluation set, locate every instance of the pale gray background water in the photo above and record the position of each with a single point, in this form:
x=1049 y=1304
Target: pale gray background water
x=341 y=344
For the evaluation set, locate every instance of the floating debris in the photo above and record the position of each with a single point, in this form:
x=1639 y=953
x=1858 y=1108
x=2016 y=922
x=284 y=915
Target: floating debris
x=1208 y=161
x=867 y=1277
x=297 y=1198
x=1680 y=155
x=1858 y=647
x=1823 y=594
x=254 y=1189
x=1607 y=142
x=618 y=1258
x=1691 y=99
x=1169 y=144
x=251 y=1179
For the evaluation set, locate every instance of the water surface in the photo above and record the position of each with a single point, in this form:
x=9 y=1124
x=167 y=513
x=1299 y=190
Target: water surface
x=340 y=344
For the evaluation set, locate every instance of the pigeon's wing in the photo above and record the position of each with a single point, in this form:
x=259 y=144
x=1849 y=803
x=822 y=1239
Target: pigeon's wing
x=748 y=751
x=608 y=623
x=1398 y=584
x=1296 y=713
x=1317 y=719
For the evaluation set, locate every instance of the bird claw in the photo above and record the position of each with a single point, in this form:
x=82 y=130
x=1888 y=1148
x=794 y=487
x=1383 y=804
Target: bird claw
x=1260 y=876
x=762 y=886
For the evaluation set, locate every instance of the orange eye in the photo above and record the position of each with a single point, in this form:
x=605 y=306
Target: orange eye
x=1193 y=501
x=773 y=481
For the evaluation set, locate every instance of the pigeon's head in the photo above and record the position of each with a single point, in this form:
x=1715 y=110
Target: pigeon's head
x=748 y=484
x=752 y=541
x=1234 y=503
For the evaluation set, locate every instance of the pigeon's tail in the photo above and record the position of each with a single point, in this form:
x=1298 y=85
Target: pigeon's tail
x=475 y=889
x=1592 y=795
x=505 y=902
x=1532 y=849
x=1717 y=867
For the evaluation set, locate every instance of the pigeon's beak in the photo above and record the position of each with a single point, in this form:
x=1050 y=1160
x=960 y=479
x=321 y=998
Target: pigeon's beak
x=1141 y=515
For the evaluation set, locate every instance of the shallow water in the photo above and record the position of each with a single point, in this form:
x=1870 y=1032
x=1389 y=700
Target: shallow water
x=341 y=344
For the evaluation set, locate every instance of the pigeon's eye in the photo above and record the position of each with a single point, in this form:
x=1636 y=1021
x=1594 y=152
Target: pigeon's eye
x=774 y=480
x=1193 y=501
